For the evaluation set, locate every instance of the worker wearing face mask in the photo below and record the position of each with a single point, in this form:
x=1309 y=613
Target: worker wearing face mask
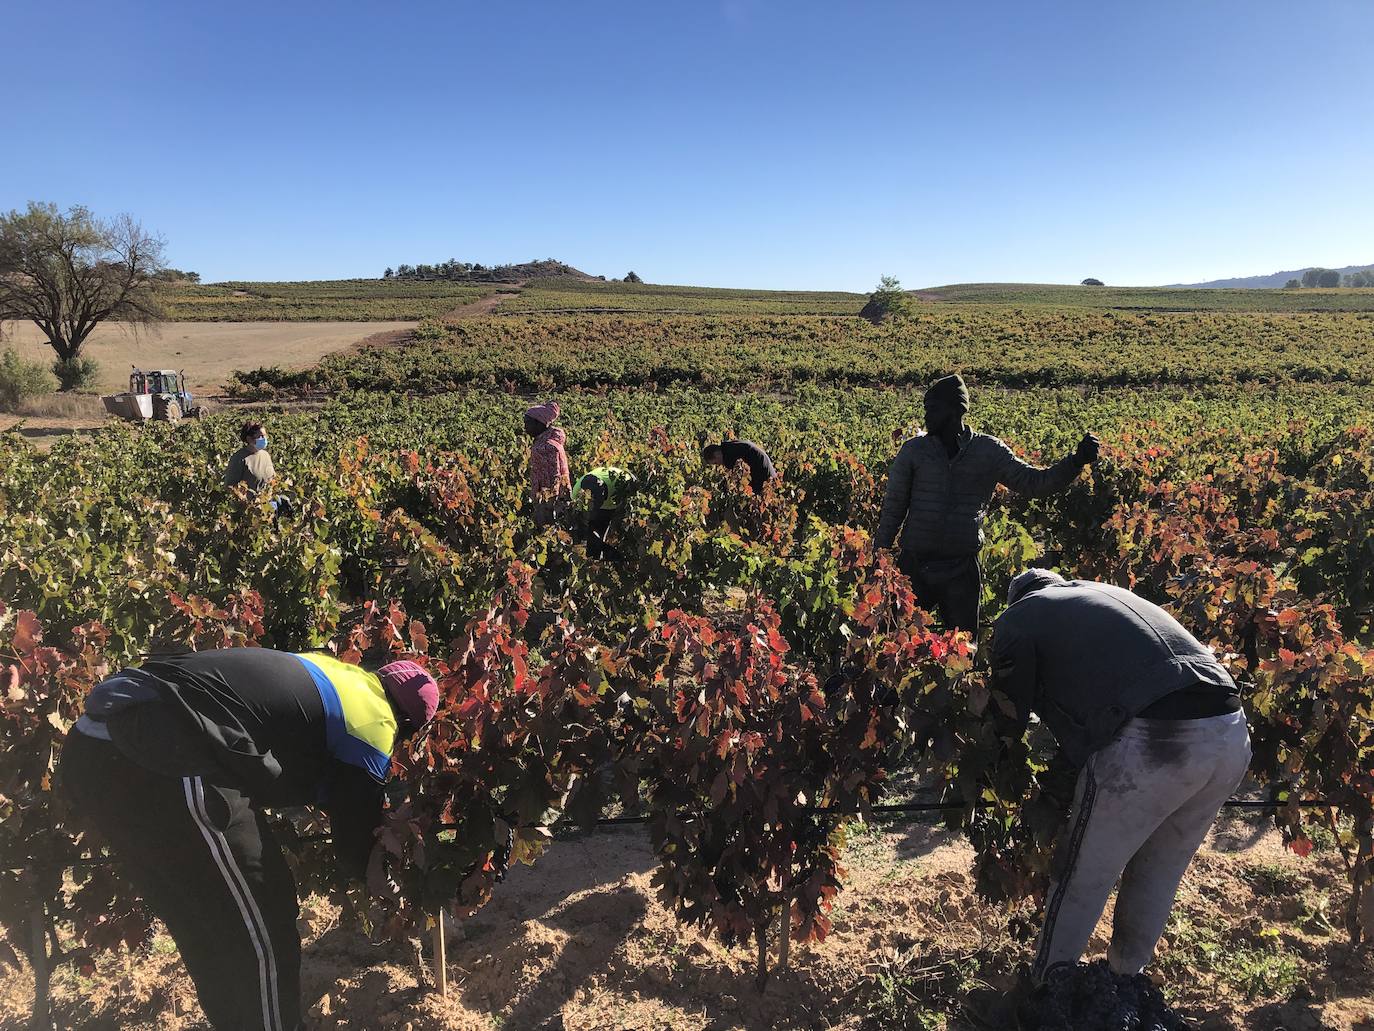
x=251 y=464
x=938 y=490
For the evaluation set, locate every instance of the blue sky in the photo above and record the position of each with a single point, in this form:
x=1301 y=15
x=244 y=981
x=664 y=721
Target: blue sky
x=735 y=143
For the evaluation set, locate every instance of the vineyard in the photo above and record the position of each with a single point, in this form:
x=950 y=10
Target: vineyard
x=749 y=681
x=577 y=295
x=343 y=300
x=412 y=299
x=1003 y=346
x=1154 y=298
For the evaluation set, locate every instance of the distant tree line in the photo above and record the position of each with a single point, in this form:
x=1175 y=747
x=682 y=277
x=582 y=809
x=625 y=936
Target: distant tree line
x=175 y=275
x=476 y=271
x=1326 y=277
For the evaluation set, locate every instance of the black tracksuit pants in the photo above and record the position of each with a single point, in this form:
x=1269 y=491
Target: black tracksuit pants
x=599 y=524
x=206 y=863
x=955 y=595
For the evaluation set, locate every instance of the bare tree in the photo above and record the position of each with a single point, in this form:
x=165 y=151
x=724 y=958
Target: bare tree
x=67 y=273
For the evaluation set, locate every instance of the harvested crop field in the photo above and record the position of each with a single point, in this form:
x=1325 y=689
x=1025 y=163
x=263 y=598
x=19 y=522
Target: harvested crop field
x=579 y=942
x=208 y=351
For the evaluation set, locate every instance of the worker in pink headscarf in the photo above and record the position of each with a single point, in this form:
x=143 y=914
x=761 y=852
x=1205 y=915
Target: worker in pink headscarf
x=550 y=480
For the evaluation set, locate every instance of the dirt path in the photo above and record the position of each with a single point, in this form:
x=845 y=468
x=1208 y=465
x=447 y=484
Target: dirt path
x=487 y=305
x=580 y=942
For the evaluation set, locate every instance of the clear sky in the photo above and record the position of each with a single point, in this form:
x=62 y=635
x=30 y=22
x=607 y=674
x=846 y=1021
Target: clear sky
x=736 y=143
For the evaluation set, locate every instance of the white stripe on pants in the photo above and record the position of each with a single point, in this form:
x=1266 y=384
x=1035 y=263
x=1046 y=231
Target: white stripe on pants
x=1143 y=807
x=243 y=897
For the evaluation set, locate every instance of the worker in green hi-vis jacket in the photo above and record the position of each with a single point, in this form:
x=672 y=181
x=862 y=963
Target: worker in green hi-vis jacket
x=605 y=491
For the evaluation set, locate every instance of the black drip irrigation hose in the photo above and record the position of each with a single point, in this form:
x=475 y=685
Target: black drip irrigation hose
x=918 y=808
x=893 y=808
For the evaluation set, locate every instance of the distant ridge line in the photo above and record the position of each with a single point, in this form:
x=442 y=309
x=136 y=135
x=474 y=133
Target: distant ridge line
x=1273 y=281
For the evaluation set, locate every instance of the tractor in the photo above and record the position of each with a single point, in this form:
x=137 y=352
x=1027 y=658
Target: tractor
x=159 y=395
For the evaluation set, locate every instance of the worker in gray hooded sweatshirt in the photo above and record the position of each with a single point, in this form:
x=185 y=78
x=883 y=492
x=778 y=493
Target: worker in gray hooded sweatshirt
x=1155 y=724
x=938 y=490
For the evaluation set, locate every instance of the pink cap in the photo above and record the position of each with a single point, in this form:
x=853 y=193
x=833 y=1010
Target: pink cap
x=412 y=690
x=544 y=414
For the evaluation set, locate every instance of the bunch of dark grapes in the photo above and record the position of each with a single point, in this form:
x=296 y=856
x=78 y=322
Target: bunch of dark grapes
x=1089 y=997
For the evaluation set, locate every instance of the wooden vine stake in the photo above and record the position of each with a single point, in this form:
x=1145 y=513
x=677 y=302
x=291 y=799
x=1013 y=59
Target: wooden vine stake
x=440 y=956
x=761 y=974
x=785 y=929
x=41 y=1018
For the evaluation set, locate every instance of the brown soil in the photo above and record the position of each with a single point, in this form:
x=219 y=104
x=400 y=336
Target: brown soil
x=393 y=339
x=485 y=305
x=579 y=942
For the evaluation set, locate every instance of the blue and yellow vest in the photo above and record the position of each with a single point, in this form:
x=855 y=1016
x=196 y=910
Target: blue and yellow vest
x=360 y=726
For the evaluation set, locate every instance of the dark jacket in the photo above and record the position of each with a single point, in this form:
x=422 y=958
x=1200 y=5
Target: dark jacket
x=247 y=718
x=940 y=502
x=1087 y=657
x=760 y=465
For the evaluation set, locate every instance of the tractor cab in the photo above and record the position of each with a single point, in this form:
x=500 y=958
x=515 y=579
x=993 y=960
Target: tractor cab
x=162 y=381
x=153 y=394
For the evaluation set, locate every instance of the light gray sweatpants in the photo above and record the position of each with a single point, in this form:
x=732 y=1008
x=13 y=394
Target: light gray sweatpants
x=1143 y=806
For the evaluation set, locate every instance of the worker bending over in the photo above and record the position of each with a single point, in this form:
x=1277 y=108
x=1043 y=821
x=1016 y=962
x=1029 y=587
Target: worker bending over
x=1156 y=725
x=729 y=453
x=174 y=762
x=605 y=491
x=938 y=490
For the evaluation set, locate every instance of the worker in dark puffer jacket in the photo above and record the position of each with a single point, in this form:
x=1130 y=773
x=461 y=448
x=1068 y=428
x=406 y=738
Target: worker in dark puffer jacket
x=938 y=490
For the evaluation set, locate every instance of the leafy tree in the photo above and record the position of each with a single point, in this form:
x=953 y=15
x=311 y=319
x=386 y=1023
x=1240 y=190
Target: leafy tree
x=389 y=273
x=1310 y=277
x=889 y=300
x=1091 y=282
x=68 y=272
x=175 y=275
x=1329 y=278
x=632 y=277
x=1292 y=284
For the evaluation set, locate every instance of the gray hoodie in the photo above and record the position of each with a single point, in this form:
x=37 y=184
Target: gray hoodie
x=1087 y=657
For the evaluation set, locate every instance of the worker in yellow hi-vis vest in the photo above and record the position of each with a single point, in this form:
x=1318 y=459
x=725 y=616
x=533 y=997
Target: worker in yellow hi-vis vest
x=604 y=492
x=174 y=762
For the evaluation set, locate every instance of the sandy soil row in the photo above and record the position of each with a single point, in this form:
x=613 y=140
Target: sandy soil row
x=579 y=942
